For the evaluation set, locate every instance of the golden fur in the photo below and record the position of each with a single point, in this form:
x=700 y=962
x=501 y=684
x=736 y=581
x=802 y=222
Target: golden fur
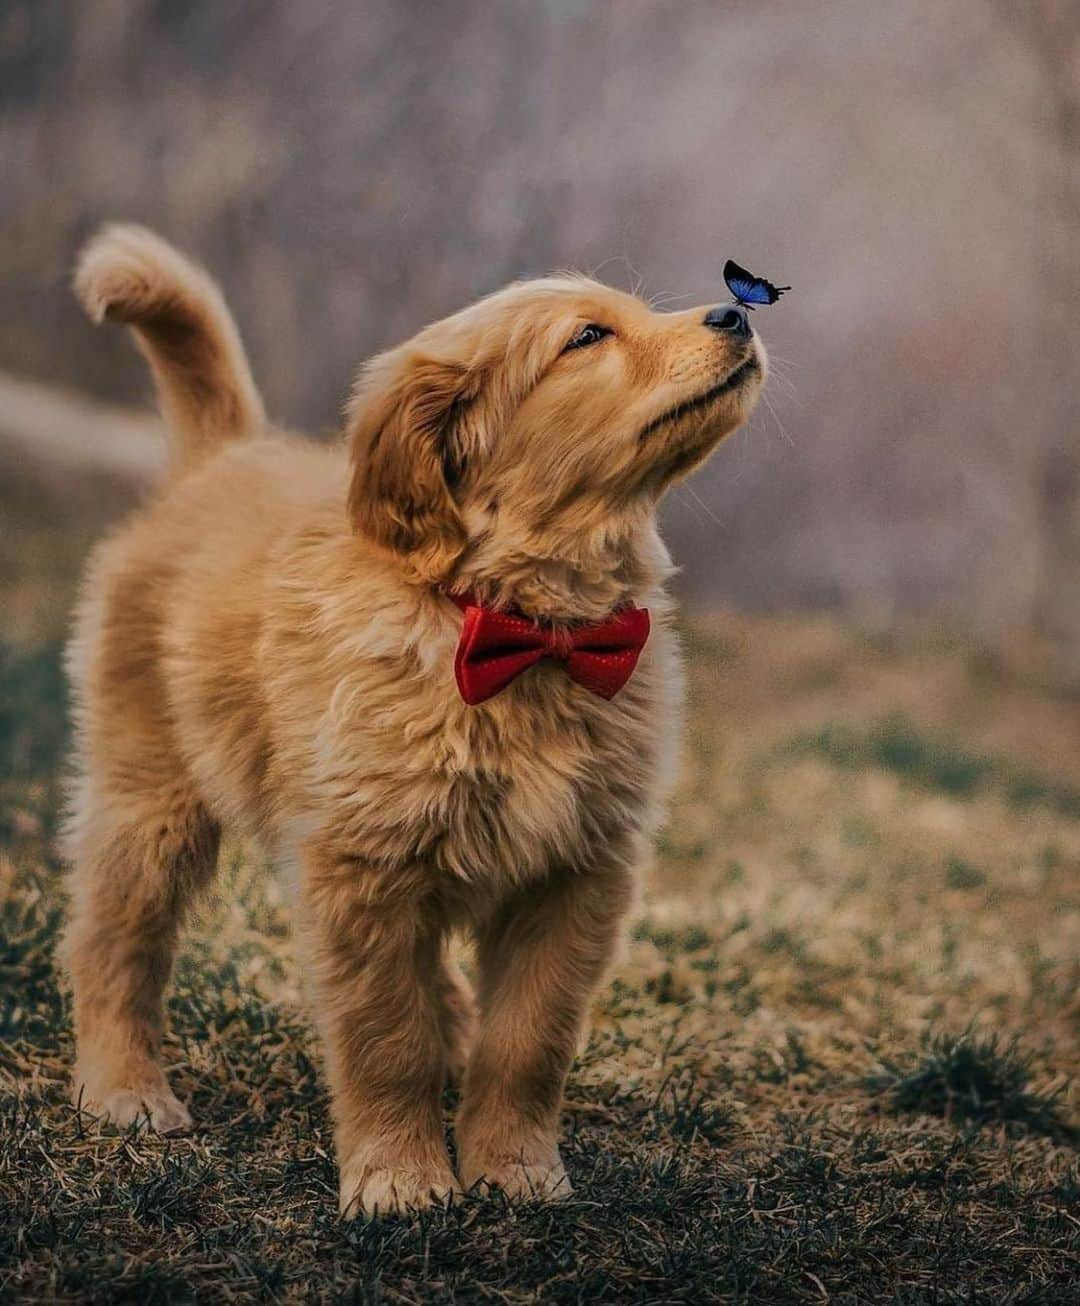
x=268 y=645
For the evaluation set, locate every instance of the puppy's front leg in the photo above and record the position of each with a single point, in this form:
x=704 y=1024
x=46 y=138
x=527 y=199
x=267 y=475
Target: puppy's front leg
x=375 y=950
x=540 y=958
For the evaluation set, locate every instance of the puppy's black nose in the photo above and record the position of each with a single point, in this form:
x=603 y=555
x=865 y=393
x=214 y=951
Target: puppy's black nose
x=729 y=317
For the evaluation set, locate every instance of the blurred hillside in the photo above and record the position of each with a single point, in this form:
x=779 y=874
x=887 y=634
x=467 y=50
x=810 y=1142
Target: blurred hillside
x=351 y=172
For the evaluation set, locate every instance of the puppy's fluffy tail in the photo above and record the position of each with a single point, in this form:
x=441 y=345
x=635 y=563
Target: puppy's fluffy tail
x=127 y=274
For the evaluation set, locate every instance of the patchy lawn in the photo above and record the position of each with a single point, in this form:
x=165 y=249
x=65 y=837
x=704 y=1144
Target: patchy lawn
x=833 y=1065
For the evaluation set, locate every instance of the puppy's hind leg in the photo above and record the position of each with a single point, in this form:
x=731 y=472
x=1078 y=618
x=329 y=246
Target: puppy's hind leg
x=136 y=866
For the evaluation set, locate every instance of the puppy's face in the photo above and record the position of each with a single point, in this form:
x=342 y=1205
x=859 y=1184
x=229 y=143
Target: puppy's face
x=559 y=406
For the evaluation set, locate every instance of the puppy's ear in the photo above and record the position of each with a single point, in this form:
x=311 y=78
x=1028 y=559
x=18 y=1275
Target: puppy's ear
x=402 y=430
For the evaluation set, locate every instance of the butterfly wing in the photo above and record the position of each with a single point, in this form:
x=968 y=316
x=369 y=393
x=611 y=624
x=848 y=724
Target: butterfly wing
x=740 y=282
x=747 y=288
x=763 y=292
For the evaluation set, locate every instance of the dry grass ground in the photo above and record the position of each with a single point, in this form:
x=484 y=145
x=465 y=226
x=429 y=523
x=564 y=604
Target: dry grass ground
x=833 y=1065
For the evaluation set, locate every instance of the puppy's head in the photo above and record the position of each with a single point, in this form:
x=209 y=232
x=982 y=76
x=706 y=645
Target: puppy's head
x=552 y=411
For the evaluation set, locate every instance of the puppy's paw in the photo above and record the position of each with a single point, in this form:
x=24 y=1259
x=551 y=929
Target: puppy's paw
x=154 y=1107
x=523 y=1179
x=372 y=1190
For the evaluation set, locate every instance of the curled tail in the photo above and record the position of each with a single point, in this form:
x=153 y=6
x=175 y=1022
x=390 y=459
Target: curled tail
x=127 y=274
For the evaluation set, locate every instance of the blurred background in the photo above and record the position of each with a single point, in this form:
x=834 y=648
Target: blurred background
x=351 y=172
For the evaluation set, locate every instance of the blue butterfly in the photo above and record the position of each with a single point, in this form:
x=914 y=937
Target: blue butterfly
x=748 y=289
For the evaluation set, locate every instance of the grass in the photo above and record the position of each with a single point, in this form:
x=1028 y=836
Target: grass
x=960 y=874
x=894 y=745
x=834 y=1064
x=974 y=1077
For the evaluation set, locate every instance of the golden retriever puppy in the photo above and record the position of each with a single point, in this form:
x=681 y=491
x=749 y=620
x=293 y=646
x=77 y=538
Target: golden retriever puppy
x=419 y=670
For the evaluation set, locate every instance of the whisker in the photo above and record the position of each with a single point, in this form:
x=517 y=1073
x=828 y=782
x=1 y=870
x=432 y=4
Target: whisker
x=779 y=424
x=666 y=297
x=705 y=507
x=780 y=379
x=677 y=490
x=639 y=280
x=778 y=372
x=594 y=272
x=786 y=362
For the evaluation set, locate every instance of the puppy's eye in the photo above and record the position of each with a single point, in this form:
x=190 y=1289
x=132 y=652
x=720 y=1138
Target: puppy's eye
x=588 y=335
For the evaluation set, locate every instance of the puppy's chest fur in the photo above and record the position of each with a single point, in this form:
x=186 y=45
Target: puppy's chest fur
x=546 y=775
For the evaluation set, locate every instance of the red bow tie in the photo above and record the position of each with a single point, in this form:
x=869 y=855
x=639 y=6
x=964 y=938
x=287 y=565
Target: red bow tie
x=497 y=646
